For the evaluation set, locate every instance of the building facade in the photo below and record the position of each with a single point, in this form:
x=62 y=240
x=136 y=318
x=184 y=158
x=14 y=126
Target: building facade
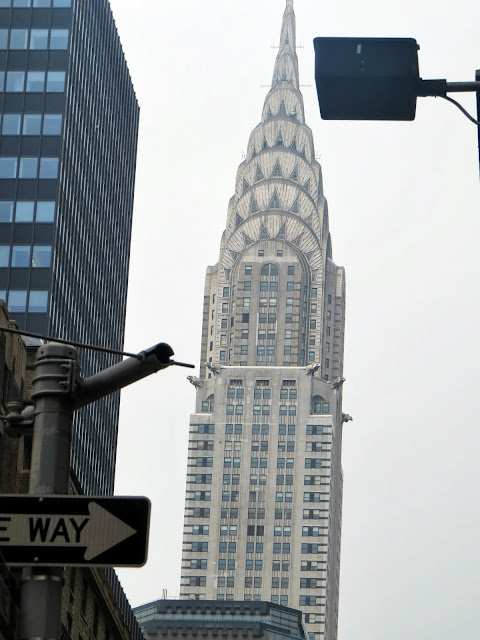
x=264 y=482
x=69 y=122
x=177 y=619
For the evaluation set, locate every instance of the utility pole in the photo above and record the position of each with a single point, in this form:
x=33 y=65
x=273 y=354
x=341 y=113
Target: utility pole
x=58 y=390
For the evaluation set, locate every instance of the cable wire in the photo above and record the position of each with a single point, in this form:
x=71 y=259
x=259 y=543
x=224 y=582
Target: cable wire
x=74 y=344
x=464 y=111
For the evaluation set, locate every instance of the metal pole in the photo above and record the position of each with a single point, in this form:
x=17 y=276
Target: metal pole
x=477 y=78
x=55 y=373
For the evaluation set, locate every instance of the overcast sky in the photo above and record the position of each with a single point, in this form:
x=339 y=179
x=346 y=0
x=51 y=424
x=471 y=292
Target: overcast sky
x=405 y=222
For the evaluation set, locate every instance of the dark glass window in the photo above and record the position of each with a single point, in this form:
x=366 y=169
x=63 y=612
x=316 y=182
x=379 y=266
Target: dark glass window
x=55 y=81
x=45 y=211
x=18 y=38
x=6 y=209
x=48 y=168
x=11 y=124
x=8 y=167
x=38 y=38
x=59 y=39
x=15 y=81
x=31 y=124
x=28 y=168
x=52 y=124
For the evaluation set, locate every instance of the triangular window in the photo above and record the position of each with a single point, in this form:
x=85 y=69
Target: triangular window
x=265 y=143
x=277 y=171
x=298 y=240
x=282 y=111
x=279 y=141
x=281 y=233
x=294 y=144
x=253 y=205
x=263 y=232
x=294 y=174
x=309 y=220
x=234 y=254
x=245 y=185
x=306 y=186
x=238 y=220
x=246 y=240
x=259 y=174
x=309 y=255
x=294 y=207
x=274 y=202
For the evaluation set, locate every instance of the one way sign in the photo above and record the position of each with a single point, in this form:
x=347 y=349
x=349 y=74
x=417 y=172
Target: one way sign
x=74 y=531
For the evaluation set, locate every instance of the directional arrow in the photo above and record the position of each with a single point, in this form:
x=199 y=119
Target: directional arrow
x=104 y=531
x=73 y=530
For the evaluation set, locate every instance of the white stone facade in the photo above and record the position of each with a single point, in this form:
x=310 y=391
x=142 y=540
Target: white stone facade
x=264 y=485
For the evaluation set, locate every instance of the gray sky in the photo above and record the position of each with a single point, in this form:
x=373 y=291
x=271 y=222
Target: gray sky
x=405 y=222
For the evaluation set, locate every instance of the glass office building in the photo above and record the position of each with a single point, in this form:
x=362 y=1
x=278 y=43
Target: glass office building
x=69 y=124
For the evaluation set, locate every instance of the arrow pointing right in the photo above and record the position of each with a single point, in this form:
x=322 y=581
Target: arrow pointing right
x=103 y=531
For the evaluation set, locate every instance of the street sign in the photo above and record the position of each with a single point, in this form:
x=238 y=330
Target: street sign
x=83 y=531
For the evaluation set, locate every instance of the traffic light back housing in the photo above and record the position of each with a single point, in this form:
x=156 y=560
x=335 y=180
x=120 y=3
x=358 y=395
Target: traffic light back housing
x=366 y=78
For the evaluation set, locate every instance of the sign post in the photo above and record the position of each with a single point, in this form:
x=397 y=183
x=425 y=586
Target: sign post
x=45 y=535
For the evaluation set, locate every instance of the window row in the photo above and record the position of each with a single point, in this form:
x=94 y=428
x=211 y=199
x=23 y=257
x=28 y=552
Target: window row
x=289 y=445
x=32 y=81
x=233 y=428
x=262 y=350
x=309 y=601
x=315 y=496
x=232 y=393
x=264 y=410
x=237 y=409
x=33 y=124
x=254 y=547
x=40 y=4
x=257 y=429
x=27 y=211
x=200 y=529
x=231 y=479
x=34 y=39
x=307 y=531
x=255 y=582
x=29 y=168
x=231 y=462
x=23 y=255
x=280 y=583
x=21 y=300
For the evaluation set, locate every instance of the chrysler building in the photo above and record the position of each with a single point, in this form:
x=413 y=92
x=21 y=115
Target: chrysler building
x=264 y=484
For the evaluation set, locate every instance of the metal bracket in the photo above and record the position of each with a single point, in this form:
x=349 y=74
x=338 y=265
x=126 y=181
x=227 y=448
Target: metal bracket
x=18 y=421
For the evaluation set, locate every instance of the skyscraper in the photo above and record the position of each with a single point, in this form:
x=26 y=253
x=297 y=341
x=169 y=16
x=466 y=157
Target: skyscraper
x=264 y=483
x=69 y=122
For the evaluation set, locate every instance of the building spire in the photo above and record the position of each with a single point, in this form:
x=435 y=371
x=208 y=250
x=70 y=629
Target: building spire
x=286 y=64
